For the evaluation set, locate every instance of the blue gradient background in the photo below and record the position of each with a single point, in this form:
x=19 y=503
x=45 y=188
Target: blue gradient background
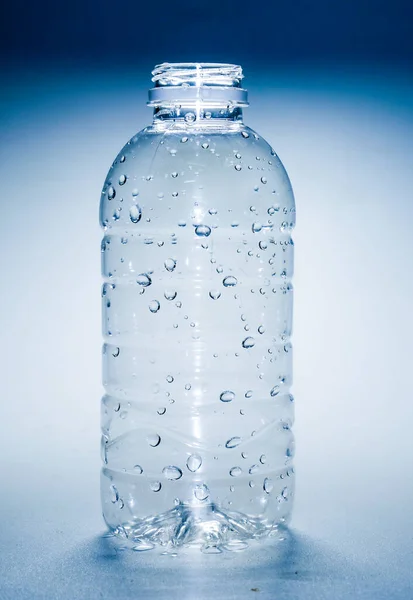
x=331 y=88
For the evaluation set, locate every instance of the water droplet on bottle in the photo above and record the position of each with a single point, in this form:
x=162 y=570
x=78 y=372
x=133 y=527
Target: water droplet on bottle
x=135 y=213
x=201 y=492
x=253 y=469
x=116 y=352
x=262 y=245
x=170 y=294
x=251 y=484
x=245 y=134
x=205 y=145
x=169 y=379
x=263 y=458
x=214 y=294
x=138 y=469
x=275 y=390
x=153 y=440
x=256 y=227
x=263 y=180
x=233 y=442
x=184 y=139
x=189 y=117
x=111 y=193
x=284 y=227
x=174 y=174
x=237 y=167
x=230 y=281
x=237 y=155
x=188 y=386
x=155 y=486
x=249 y=342
x=170 y=264
x=123 y=240
x=122 y=159
x=144 y=280
x=219 y=269
x=174 y=194
x=202 y=230
x=194 y=462
x=161 y=411
x=114 y=494
x=227 y=396
x=248 y=394
x=212 y=211
x=268 y=485
x=261 y=329
x=122 y=179
x=172 y=473
x=235 y=471
x=154 y=306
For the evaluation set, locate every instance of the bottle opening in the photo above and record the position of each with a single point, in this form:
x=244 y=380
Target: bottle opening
x=212 y=84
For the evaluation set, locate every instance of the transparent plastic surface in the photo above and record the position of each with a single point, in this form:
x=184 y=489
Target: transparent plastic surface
x=197 y=261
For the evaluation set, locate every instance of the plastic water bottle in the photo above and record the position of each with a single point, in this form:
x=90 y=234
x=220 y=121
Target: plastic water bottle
x=197 y=260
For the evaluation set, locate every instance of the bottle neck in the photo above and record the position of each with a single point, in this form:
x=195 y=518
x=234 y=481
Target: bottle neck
x=197 y=113
x=197 y=93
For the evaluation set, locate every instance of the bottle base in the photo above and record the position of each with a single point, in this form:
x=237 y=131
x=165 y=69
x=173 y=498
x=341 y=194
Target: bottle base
x=207 y=527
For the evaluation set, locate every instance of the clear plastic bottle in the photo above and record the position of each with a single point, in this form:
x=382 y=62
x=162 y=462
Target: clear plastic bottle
x=197 y=260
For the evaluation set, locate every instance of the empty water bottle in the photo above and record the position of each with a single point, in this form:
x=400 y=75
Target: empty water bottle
x=197 y=260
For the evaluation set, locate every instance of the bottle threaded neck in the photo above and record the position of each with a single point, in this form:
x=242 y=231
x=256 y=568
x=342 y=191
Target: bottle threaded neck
x=209 y=84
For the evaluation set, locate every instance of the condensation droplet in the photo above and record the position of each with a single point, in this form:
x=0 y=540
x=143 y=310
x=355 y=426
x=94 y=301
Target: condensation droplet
x=203 y=230
x=275 y=390
x=135 y=213
x=153 y=440
x=116 y=352
x=235 y=471
x=201 y=492
x=114 y=494
x=262 y=245
x=170 y=294
x=170 y=264
x=248 y=394
x=219 y=269
x=169 y=379
x=194 y=462
x=212 y=211
x=205 y=145
x=256 y=227
x=214 y=294
x=111 y=193
x=144 y=280
x=249 y=342
x=188 y=386
x=172 y=473
x=227 y=396
x=184 y=139
x=154 y=306
x=253 y=469
x=233 y=442
x=138 y=469
x=155 y=486
x=230 y=281
x=122 y=179
x=245 y=134
x=237 y=167
x=161 y=410
x=268 y=485
x=263 y=180
x=251 y=484
x=263 y=458
x=189 y=117
x=261 y=329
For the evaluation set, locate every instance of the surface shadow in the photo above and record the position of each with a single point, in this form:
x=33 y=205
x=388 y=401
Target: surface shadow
x=296 y=567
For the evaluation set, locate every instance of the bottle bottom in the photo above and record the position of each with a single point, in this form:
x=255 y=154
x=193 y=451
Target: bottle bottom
x=208 y=527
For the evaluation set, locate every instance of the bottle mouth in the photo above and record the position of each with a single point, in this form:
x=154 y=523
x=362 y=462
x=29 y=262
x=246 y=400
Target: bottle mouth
x=212 y=84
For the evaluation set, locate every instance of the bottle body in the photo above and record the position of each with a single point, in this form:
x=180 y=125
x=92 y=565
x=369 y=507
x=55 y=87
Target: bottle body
x=197 y=260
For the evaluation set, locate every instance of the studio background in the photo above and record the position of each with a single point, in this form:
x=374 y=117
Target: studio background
x=331 y=88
